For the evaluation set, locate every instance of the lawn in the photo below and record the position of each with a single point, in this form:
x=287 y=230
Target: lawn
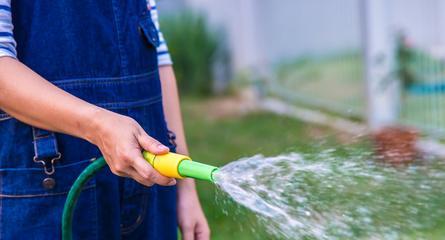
x=218 y=139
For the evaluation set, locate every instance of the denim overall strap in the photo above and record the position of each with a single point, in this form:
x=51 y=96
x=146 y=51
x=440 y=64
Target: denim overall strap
x=103 y=52
x=45 y=149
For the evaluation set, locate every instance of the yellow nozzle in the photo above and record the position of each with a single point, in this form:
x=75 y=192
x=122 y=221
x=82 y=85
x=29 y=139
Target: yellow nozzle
x=179 y=166
x=166 y=164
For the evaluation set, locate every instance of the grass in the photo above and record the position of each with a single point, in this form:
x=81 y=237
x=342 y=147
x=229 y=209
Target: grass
x=221 y=140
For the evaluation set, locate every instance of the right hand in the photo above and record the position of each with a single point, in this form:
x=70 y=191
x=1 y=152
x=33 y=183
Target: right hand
x=121 y=140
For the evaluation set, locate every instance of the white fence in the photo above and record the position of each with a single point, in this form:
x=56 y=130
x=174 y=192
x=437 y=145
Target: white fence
x=379 y=60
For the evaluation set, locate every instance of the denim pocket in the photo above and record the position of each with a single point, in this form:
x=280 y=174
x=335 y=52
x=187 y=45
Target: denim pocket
x=148 y=28
x=139 y=201
x=133 y=212
x=30 y=211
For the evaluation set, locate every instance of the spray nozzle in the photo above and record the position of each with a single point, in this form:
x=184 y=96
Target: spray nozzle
x=179 y=166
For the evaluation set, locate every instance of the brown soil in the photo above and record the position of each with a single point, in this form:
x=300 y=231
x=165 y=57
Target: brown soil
x=396 y=145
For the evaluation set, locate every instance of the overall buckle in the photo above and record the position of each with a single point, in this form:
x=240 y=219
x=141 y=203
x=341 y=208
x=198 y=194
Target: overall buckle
x=49 y=170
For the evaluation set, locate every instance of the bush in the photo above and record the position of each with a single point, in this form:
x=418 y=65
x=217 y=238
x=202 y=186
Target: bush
x=194 y=49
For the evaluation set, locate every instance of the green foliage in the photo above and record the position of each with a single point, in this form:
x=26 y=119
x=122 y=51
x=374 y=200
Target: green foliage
x=404 y=58
x=416 y=66
x=193 y=47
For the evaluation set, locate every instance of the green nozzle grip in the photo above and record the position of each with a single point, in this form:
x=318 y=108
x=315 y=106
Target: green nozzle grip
x=192 y=169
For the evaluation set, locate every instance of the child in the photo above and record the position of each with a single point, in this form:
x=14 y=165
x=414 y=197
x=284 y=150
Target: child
x=80 y=79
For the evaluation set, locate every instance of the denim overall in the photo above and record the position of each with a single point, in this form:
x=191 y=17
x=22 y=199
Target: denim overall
x=102 y=51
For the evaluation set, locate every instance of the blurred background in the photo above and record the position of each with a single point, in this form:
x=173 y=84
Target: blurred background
x=263 y=76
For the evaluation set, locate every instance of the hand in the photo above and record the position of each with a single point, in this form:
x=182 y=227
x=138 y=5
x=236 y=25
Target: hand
x=191 y=219
x=121 y=140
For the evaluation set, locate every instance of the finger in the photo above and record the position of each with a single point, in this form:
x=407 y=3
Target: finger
x=202 y=232
x=151 y=145
x=146 y=171
x=138 y=178
x=118 y=170
x=187 y=232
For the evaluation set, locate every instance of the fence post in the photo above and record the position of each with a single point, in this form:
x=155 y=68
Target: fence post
x=382 y=87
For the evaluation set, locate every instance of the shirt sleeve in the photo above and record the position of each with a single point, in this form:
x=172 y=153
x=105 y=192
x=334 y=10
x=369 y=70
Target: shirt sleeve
x=7 y=42
x=164 y=57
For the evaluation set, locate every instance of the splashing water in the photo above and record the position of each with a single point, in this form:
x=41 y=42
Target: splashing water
x=327 y=196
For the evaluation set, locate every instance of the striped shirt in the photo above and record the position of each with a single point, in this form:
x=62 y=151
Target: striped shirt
x=8 y=44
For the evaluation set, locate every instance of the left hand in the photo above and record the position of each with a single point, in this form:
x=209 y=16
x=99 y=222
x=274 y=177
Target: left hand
x=191 y=219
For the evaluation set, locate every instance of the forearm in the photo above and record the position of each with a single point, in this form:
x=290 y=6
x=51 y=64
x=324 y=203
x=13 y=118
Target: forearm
x=173 y=117
x=31 y=99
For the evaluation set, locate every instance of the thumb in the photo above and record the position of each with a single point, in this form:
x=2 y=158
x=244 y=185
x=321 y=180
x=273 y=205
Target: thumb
x=151 y=145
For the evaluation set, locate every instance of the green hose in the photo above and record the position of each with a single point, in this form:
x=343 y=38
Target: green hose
x=73 y=195
x=169 y=165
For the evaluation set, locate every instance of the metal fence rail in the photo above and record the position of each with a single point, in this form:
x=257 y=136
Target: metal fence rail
x=423 y=99
x=333 y=83
x=420 y=66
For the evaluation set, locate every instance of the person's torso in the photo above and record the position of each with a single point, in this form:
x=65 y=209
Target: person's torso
x=67 y=39
x=102 y=51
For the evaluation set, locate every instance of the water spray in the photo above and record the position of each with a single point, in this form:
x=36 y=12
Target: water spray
x=170 y=165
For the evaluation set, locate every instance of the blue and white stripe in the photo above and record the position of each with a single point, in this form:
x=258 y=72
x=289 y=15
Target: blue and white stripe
x=163 y=54
x=8 y=44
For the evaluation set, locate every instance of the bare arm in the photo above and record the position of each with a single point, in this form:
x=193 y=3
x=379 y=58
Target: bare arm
x=190 y=215
x=31 y=99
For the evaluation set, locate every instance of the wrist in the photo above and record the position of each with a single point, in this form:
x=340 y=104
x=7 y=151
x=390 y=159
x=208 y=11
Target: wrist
x=93 y=124
x=186 y=186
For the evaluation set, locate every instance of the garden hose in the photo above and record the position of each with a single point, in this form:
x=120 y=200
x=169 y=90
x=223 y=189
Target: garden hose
x=170 y=165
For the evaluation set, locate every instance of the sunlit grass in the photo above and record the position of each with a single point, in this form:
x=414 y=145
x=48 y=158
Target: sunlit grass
x=221 y=140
